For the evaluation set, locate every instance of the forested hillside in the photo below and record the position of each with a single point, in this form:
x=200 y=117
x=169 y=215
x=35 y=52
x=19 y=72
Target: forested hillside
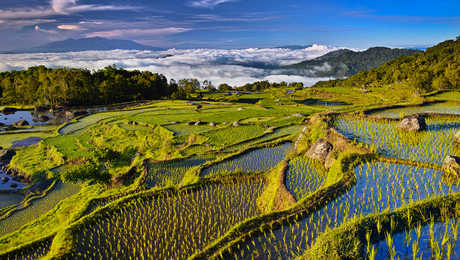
x=344 y=63
x=437 y=68
x=43 y=86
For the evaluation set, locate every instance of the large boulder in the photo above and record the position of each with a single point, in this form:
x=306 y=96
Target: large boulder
x=413 y=123
x=451 y=164
x=320 y=150
x=457 y=138
x=21 y=123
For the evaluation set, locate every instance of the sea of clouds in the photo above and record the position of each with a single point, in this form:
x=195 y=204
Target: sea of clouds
x=235 y=67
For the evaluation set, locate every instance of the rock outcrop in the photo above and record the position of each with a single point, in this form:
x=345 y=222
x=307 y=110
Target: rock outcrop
x=413 y=123
x=451 y=164
x=320 y=150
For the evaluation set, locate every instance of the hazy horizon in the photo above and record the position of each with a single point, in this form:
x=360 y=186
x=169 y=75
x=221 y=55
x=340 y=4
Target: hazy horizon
x=230 y=24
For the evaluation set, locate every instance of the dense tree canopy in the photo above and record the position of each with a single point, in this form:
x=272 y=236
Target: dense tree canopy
x=437 y=68
x=261 y=85
x=43 y=86
x=345 y=63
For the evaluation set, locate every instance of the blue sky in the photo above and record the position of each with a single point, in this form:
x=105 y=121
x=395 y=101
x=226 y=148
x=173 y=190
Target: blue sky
x=231 y=23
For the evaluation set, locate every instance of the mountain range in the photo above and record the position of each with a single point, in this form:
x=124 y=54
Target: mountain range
x=86 y=44
x=344 y=62
x=438 y=68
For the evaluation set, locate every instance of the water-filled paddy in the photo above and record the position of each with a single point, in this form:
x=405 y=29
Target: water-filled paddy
x=8 y=184
x=170 y=226
x=379 y=186
x=303 y=177
x=38 y=208
x=255 y=161
x=8 y=199
x=319 y=102
x=171 y=173
x=430 y=146
x=441 y=108
x=424 y=242
x=29 y=116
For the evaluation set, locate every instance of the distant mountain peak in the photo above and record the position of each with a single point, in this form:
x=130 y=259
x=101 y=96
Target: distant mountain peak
x=344 y=62
x=294 y=47
x=86 y=44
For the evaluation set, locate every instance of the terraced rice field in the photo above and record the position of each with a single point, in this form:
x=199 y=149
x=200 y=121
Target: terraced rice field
x=255 y=161
x=304 y=177
x=171 y=173
x=437 y=108
x=169 y=226
x=432 y=241
x=34 y=251
x=430 y=146
x=379 y=187
x=38 y=207
x=8 y=199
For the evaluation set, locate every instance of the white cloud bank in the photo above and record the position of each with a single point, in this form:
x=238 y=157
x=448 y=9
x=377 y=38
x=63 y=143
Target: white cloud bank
x=235 y=67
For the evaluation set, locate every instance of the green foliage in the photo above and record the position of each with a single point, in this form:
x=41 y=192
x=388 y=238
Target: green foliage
x=83 y=172
x=344 y=63
x=35 y=161
x=437 y=68
x=71 y=87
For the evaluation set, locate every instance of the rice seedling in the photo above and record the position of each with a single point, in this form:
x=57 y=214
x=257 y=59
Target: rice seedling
x=432 y=241
x=233 y=135
x=171 y=173
x=31 y=252
x=430 y=146
x=379 y=186
x=303 y=177
x=444 y=108
x=169 y=226
x=255 y=161
x=38 y=207
x=8 y=199
x=184 y=129
x=85 y=122
x=278 y=133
